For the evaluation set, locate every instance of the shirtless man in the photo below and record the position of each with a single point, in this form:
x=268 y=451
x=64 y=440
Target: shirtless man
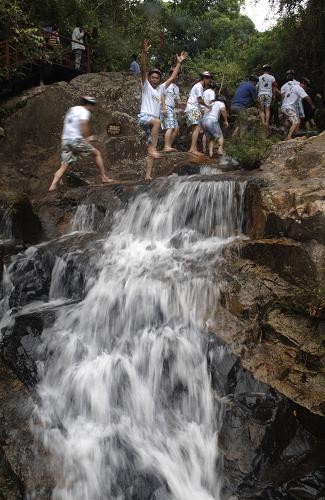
x=75 y=140
x=152 y=90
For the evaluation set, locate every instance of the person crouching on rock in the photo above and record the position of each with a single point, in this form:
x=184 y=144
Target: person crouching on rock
x=193 y=109
x=75 y=140
x=152 y=90
x=211 y=126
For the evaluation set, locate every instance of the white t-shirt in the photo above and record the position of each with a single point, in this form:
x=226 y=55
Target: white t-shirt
x=192 y=102
x=72 y=122
x=172 y=95
x=208 y=95
x=151 y=99
x=78 y=39
x=215 y=111
x=289 y=86
x=264 y=84
x=292 y=96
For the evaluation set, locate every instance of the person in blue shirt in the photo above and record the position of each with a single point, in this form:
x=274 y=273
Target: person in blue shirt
x=245 y=95
x=134 y=66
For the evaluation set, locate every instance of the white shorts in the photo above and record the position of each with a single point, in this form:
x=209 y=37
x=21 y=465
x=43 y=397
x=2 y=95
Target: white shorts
x=291 y=114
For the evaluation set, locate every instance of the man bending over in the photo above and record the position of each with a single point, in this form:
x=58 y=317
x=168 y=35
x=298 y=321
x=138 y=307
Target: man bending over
x=75 y=140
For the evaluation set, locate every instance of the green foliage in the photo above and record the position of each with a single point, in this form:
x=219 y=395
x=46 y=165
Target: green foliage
x=211 y=31
x=251 y=145
x=296 y=41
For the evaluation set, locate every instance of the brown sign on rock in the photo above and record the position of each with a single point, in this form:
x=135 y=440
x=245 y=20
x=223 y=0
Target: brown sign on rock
x=113 y=129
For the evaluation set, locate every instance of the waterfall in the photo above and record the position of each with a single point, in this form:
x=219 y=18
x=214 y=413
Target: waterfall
x=84 y=219
x=6 y=232
x=125 y=406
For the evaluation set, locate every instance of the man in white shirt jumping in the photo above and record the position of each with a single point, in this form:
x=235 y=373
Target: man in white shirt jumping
x=75 y=140
x=152 y=90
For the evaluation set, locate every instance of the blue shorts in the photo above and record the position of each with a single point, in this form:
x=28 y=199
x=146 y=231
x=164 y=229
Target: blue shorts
x=211 y=128
x=144 y=122
x=72 y=148
x=169 y=121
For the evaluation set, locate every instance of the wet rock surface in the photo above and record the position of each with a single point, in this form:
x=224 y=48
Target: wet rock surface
x=271 y=321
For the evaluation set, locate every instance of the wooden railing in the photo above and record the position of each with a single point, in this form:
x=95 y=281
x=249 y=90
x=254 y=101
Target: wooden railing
x=15 y=56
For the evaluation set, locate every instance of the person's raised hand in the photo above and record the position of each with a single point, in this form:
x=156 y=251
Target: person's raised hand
x=146 y=45
x=181 y=57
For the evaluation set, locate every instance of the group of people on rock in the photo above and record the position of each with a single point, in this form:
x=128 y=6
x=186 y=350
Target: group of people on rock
x=294 y=101
x=158 y=109
x=204 y=108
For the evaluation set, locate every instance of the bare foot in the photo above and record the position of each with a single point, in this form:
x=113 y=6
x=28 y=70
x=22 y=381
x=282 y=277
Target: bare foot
x=153 y=152
x=169 y=150
x=148 y=178
x=221 y=152
x=196 y=152
x=53 y=187
x=106 y=180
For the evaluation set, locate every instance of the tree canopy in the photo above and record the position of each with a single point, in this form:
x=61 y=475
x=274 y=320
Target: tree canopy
x=216 y=34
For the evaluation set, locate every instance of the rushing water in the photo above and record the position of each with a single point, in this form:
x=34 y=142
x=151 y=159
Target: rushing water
x=6 y=232
x=125 y=405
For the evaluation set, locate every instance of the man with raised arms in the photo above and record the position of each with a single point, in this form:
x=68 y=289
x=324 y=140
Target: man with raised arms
x=152 y=90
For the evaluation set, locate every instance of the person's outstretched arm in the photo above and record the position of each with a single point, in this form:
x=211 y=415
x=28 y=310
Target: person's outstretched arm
x=145 y=48
x=179 y=59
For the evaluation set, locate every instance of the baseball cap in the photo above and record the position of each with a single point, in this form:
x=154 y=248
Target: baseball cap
x=206 y=74
x=86 y=99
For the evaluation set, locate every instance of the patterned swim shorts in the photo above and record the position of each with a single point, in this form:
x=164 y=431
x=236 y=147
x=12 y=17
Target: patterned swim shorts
x=193 y=117
x=169 y=121
x=291 y=114
x=143 y=121
x=211 y=128
x=72 y=148
x=265 y=100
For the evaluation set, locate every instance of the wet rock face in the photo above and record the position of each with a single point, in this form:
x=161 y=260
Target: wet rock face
x=271 y=447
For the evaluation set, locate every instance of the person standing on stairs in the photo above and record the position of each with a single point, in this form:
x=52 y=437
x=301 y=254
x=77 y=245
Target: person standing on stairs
x=75 y=140
x=77 y=45
x=152 y=90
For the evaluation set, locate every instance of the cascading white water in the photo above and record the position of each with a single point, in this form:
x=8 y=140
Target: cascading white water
x=84 y=219
x=125 y=404
x=6 y=232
